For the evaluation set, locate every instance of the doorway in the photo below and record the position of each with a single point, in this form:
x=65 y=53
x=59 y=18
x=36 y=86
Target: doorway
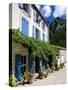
x=50 y=59
x=20 y=66
x=37 y=65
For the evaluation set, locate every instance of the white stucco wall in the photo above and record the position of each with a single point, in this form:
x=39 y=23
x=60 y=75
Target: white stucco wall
x=15 y=16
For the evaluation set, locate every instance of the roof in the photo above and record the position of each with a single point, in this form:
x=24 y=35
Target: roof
x=40 y=13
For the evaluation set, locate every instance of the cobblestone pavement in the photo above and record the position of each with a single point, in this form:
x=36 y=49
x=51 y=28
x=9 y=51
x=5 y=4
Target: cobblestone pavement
x=57 y=77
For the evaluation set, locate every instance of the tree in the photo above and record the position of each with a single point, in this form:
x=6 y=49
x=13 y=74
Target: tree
x=58 y=32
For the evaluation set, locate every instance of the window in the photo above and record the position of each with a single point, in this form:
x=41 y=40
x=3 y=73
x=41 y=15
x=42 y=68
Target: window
x=25 y=25
x=25 y=7
x=37 y=34
x=38 y=19
x=43 y=26
x=34 y=15
x=33 y=32
x=43 y=36
x=20 y=66
x=20 y=5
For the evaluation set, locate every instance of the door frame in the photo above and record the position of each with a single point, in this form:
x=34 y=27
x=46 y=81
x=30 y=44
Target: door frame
x=21 y=65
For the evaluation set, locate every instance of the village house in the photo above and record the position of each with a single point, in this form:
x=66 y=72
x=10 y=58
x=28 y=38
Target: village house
x=31 y=23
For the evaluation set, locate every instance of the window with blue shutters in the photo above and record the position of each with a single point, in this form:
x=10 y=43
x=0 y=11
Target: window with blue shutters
x=25 y=26
x=20 y=66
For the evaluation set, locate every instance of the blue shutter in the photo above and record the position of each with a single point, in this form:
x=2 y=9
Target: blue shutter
x=18 y=66
x=25 y=26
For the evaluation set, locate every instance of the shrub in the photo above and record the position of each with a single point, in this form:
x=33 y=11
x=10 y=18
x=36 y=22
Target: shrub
x=41 y=75
x=56 y=67
x=46 y=73
x=12 y=80
x=61 y=65
x=53 y=67
x=47 y=66
x=28 y=76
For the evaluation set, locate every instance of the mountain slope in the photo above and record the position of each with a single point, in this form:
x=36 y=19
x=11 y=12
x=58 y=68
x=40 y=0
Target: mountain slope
x=58 y=32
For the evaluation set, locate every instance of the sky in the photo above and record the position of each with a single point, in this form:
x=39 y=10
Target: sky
x=52 y=12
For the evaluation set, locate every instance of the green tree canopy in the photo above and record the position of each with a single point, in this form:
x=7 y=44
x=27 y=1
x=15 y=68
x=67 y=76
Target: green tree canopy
x=58 y=32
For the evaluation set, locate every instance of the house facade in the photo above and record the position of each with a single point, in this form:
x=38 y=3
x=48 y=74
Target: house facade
x=31 y=23
x=29 y=20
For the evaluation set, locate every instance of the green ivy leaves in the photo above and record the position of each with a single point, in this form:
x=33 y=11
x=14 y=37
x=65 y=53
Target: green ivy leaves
x=36 y=47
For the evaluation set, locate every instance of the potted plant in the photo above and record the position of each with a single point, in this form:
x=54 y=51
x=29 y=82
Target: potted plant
x=61 y=65
x=41 y=75
x=56 y=67
x=28 y=77
x=12 y=80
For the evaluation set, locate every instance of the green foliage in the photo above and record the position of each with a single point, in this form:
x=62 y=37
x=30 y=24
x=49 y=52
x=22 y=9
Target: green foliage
x=56 y=66
x=58 y=32
x=12 y=80
x=47 y=66
x=61 y=65
x=41 y=75
x=36 y=47
x=27 y=75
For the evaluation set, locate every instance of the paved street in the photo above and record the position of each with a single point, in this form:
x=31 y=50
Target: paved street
x=57 y=77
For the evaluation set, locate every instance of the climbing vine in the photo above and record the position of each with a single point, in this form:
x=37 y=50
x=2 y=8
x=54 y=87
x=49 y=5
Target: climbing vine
x=36 y=47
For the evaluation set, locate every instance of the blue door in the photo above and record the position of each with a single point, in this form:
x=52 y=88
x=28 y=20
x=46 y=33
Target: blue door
x=18 y=67
x=25 y=25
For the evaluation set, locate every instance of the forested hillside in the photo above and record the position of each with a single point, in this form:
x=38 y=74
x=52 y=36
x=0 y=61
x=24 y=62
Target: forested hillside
x=58 y=32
